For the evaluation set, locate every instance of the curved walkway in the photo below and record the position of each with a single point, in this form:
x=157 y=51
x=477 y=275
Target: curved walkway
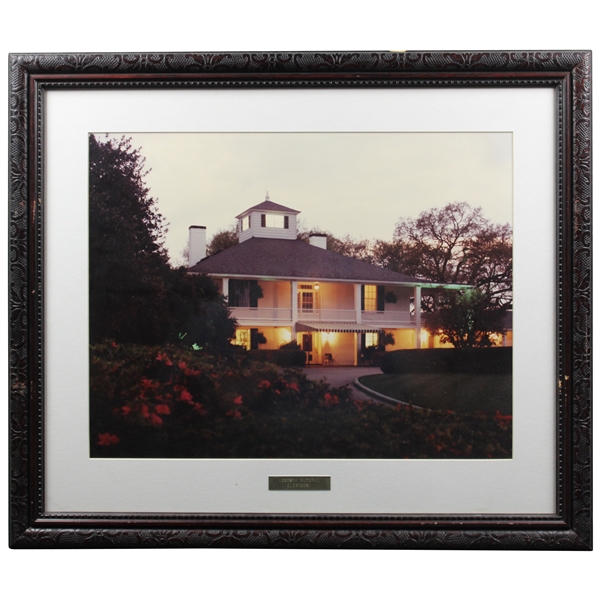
x=338 y=376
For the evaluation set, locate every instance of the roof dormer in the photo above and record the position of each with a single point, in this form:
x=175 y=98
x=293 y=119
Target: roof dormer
x=268 y=220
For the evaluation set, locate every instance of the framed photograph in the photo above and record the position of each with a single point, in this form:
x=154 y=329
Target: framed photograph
x=329 y=300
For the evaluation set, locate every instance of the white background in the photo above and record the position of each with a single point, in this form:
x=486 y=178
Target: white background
x=228 y=26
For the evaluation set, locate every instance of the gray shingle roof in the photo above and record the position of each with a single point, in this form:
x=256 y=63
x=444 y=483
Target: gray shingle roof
x=268 y=205
x=264 y=257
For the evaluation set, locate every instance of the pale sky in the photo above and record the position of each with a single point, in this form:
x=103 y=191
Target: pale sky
x=359 y=184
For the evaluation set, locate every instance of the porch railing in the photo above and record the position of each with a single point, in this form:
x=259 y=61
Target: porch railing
x=327 y=314
x=388 y=316
x=267 y=314
x=261 y=314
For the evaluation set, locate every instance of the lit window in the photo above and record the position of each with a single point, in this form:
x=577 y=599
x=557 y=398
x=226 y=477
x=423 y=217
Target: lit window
x=372 y=339
x=242 y=338
x=370 y=297
x=245 y=223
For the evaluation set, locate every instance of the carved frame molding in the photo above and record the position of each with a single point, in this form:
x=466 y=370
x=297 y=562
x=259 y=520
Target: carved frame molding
x=568 y=72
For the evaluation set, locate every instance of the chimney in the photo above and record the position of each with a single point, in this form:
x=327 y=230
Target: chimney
x=197 y=246
x=319 y=240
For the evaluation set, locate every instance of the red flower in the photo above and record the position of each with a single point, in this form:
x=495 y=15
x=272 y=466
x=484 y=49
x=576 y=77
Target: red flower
x=164 y=358
x=114 y=344
x=502 y=420
x=186 y=396
x=107 y=439
x=331 y=399
x=236 y=414
x=155 y=420
x=162 y=409
x=238 y=400
x=182 y=366
x=264 y=384
x=125 y=410
x=293 y=386
x=145 y=411
x=148 y=384
x=189 y=372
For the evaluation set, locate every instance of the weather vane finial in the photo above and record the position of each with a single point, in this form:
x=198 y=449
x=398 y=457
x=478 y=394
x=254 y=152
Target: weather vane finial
x=267 y=196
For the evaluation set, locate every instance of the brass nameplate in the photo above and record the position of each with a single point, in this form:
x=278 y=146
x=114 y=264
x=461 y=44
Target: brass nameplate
x=300 y=484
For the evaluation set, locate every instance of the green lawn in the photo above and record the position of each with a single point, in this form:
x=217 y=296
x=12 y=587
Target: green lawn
x=460 y=393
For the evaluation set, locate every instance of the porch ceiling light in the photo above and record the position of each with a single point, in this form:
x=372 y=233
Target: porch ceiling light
x=316 y=286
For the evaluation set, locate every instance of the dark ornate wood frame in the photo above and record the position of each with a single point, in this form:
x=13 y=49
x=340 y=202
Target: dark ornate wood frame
x=569 y=73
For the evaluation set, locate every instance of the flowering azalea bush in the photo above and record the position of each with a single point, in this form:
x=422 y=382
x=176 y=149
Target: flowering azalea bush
x=170 y=402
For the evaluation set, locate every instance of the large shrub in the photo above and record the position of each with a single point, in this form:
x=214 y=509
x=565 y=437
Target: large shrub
x=449 y=360
x=281 y=357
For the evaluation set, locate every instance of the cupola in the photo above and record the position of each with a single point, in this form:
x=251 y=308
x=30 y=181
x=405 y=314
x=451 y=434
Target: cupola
x=268 y=220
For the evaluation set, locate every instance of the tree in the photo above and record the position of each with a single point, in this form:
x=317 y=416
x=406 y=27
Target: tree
x=198 y=315
x=135 y=296
x=127 y=259
x=222 y=240
x=453 y=244
x=465 y=319
x=347 y=245
x=457 y=245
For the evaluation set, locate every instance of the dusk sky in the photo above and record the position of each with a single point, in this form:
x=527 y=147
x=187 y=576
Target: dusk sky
x=359 y=184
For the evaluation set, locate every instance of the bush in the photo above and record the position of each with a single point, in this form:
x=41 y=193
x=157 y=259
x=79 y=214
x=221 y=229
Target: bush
x=149 y=402
x=449 y=360
x=293 y=345
x=281 y=357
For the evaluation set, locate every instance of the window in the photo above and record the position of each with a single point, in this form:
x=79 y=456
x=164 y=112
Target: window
x=245 y=223
x=244 y=293
x=373 y=298
x=279 y=221
x=242 y=338
x=306 y=301
x=239 y=293
x=370 y=297
x=372 y=339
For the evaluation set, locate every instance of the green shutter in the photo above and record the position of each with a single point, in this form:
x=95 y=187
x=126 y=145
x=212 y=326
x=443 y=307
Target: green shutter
x=380 y=298
x=362 y=297
x=263 y=220
x=286 y=222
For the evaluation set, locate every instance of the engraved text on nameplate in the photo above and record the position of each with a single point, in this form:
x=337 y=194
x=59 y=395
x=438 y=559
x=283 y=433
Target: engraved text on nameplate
x=300 y=483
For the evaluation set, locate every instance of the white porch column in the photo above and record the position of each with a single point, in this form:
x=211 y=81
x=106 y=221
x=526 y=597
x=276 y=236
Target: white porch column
x=294 y=288
x=225 y=286
x=357 y=306
x=418 y=316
